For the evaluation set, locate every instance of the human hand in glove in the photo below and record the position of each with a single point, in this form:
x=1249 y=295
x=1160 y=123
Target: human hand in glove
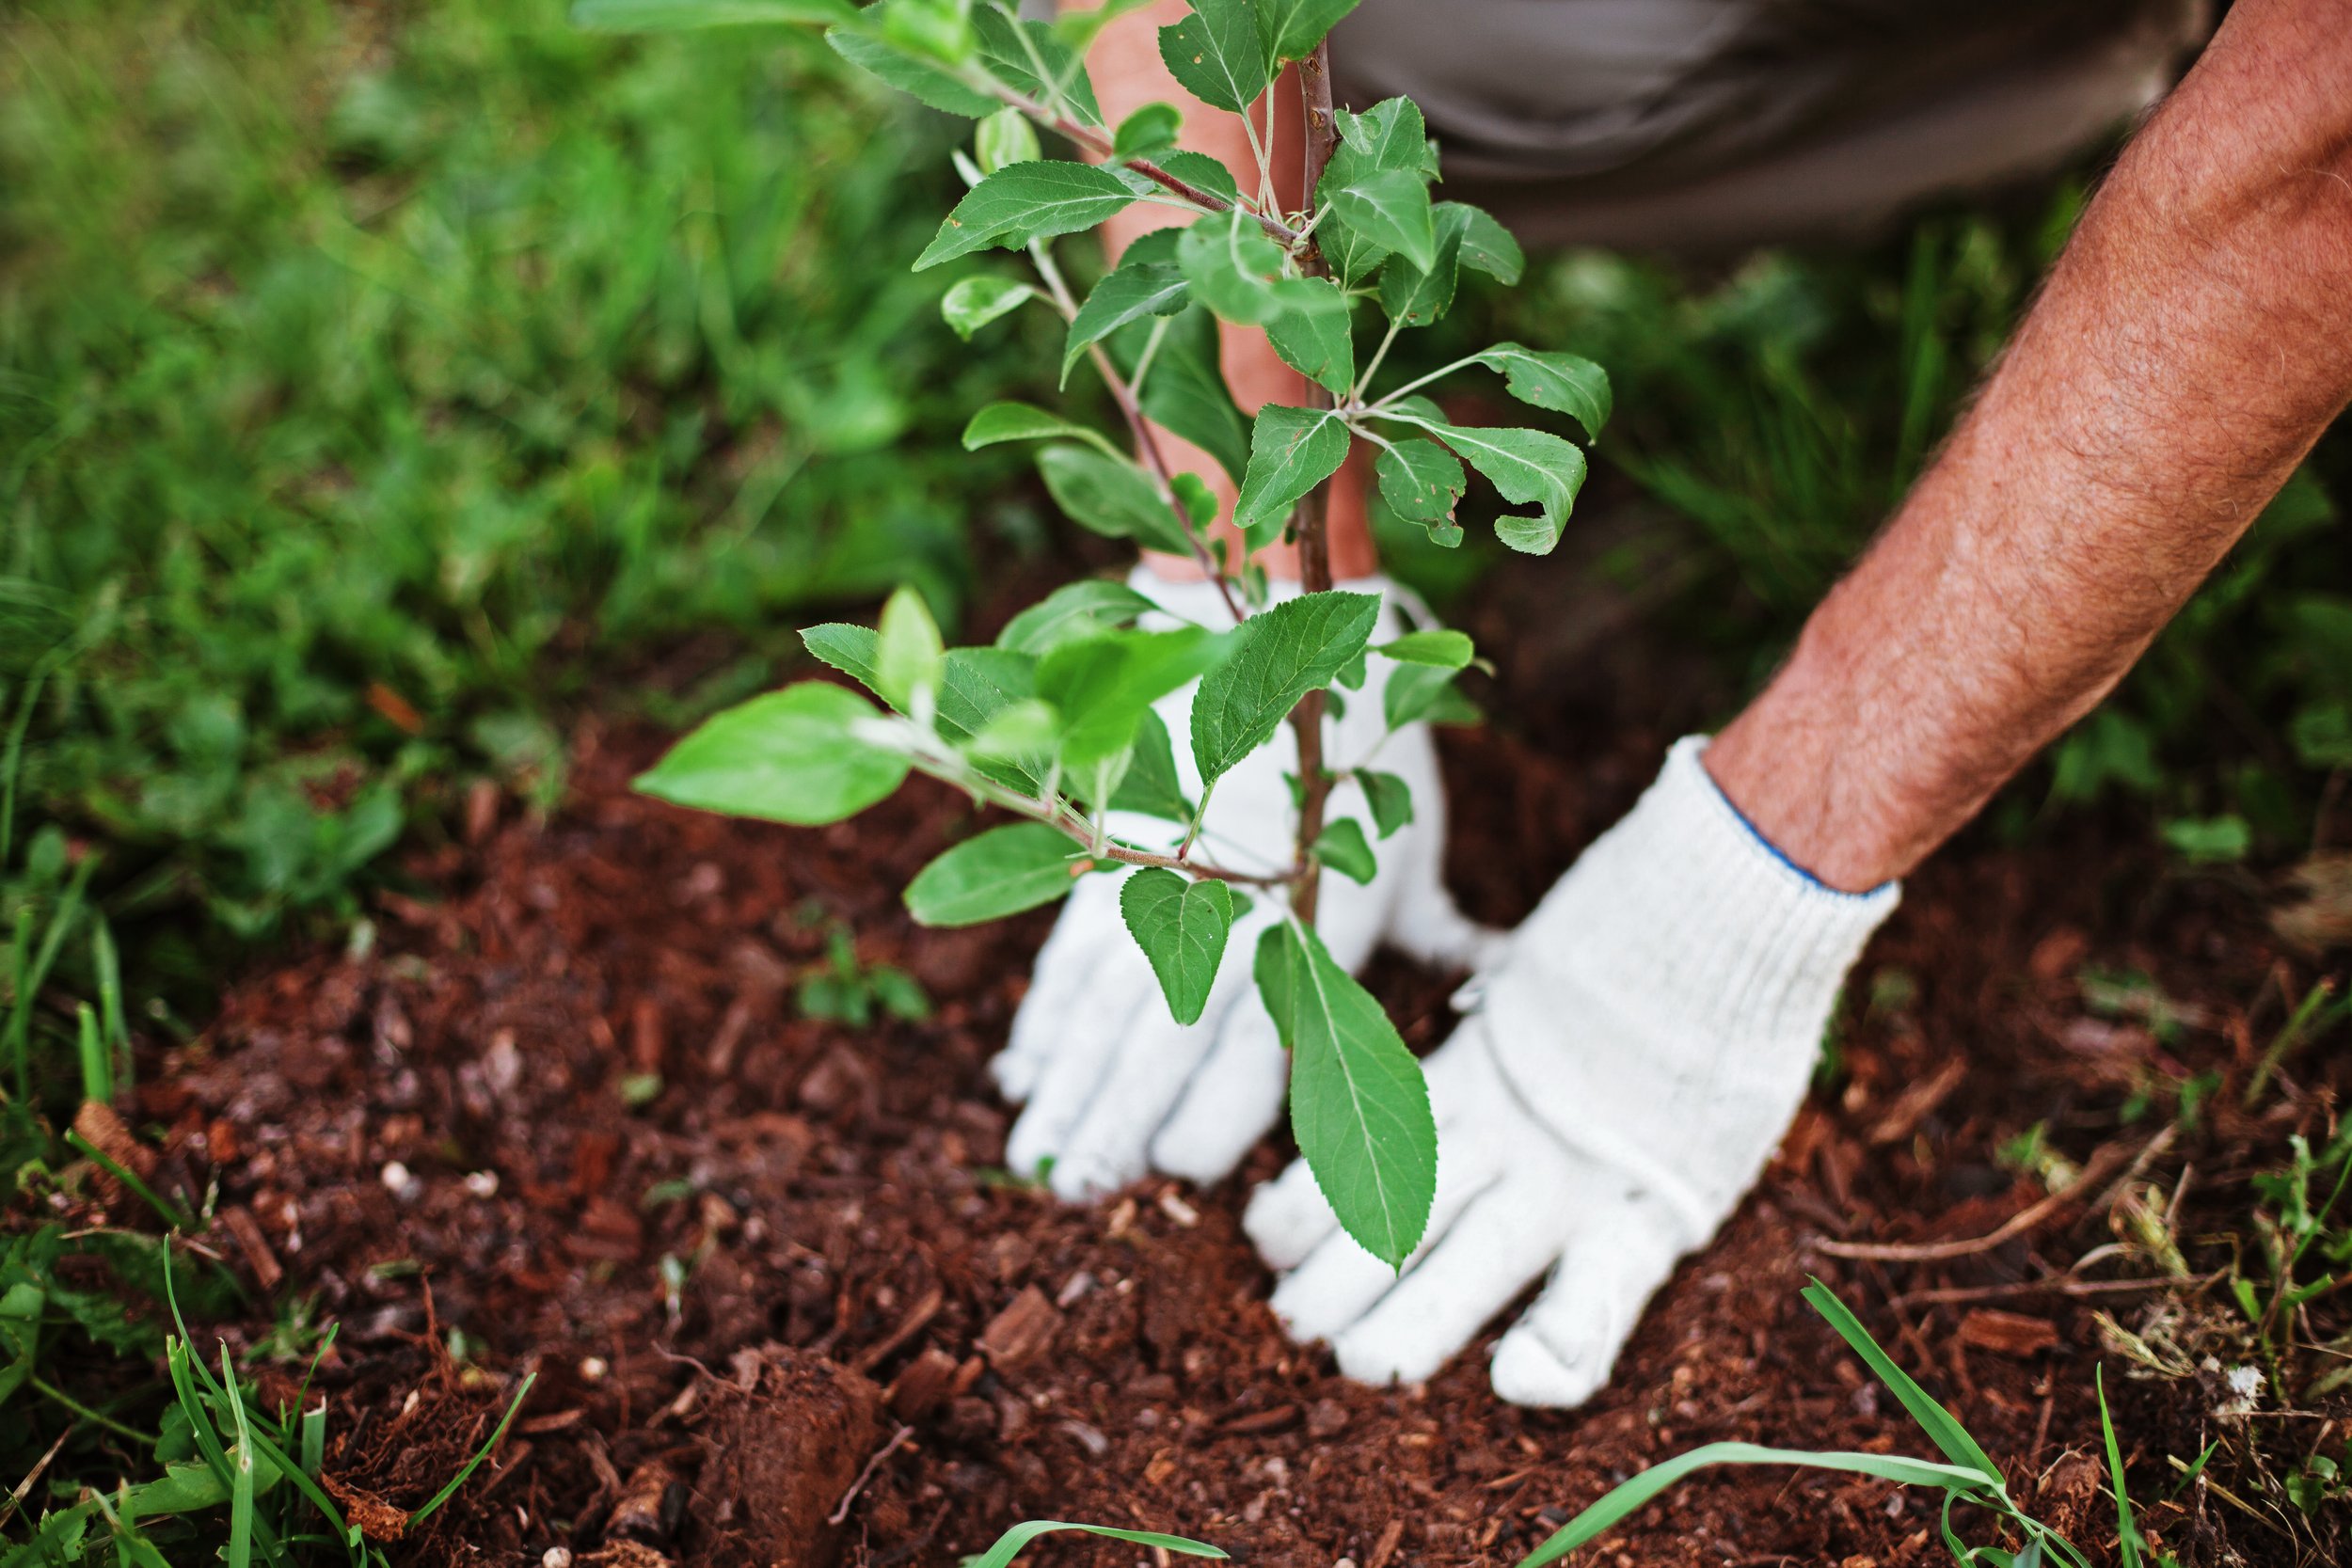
x=1630 y=1062
x=1115 y=1086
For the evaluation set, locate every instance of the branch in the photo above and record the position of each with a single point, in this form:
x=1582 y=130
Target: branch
x=1313 y=516
x=1096 y=143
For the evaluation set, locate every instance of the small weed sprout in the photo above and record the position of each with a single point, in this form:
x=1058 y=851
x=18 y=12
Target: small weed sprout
x=1054 y=724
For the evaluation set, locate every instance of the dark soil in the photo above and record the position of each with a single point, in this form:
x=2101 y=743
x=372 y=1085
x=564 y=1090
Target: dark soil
x=566 y=1116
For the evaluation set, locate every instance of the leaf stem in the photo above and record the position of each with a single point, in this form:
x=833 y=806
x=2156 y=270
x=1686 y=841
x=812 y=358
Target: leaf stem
x=1138 y=426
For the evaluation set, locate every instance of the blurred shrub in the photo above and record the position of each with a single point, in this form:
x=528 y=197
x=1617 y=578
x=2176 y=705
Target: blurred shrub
x=372 y=377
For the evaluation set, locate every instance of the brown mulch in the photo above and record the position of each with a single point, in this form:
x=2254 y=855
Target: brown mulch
x=566 y=1116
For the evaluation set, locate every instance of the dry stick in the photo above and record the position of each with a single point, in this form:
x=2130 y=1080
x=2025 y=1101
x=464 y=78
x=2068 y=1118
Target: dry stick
x=2103 y=1164
x=842 y=1512
x=1313 y=513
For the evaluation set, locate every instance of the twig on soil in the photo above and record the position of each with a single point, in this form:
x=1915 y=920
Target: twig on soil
x=842 y=1512
x=2060 y=1285
x=33 y=1475
x=2103 y=1166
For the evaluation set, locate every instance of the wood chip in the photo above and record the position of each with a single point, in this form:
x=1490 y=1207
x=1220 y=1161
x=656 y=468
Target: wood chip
x=1386 y=1547
x=240 y=1223
x=909 y=1326
x=1281 y=1419
x=1019 y=1333
x=1917 y=1103
x=921 y=1387
x=2007 y=1333
x=650 y=1505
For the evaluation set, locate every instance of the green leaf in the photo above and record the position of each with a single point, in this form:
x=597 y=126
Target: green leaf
x=1000 y=872
x=1290 y=29
x=1109 y=495
x=1078 y=27
x=1182 y=925
x=1529 y=467
x=1102 y=684
x=1317 y=342
x=784 y=756
x=1023 y=421
x=1342 y=846
x=1560 y=382
x=1415 y=295
x=1217 y=55
x=1439 y=645
x=1009 y=1544
x=974 y=302
x=1423 y=691
x=1629 y=1495
x=1074 y=609
x=1420 y=480
x=1003 y=138
x=926 y=84
x=1237 y=271
x=1022 y=732
x=1950 y=1438
x=974 y=684
x=1185 y=392
x=907 y=651
x=1028 y=201
x=1390 y=798
x=1200 y=171
x=1488 y=245
x=662 y=16
x=1284 y=652
x=1013 y=49
x=1152 y=785
x=1390 y=135
x=1291 y=451
x=1148 y=132
x=1360 y=1106
x=1129 y=293
x=1390 y=207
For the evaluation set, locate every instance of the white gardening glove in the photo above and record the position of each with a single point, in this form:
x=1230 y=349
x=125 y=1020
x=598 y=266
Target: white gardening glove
x=1634 y=1058
x=1115 y=1086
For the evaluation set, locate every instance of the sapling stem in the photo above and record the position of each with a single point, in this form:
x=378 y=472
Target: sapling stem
x=1313 y=517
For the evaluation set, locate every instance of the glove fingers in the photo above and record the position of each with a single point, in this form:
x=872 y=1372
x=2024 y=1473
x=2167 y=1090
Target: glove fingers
x=1339 y=1282
x=1074 y=1073
x=1108 y=1144
x=1234 y=1097
x=1560 y=1351
x=1287 y=1218
x=1505 y=1240
x=1067 y=971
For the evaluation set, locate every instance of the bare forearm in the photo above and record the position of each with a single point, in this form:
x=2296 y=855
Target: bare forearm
x=2193 y=341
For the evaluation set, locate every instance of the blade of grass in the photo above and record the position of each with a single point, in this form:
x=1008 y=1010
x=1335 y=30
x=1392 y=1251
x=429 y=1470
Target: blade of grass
x=482 y=1453
x=1941 y=1427
x=2128 y=1534
x=172 y=1214
x=2289 y=1036
x=1009 y=1546
x=98 y=1068
x=239 y=1552
x=1954 y=1480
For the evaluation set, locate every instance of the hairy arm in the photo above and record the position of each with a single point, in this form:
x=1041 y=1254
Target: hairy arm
x=2192 y=342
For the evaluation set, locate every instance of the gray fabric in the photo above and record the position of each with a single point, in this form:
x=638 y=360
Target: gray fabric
x=1701 y=123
